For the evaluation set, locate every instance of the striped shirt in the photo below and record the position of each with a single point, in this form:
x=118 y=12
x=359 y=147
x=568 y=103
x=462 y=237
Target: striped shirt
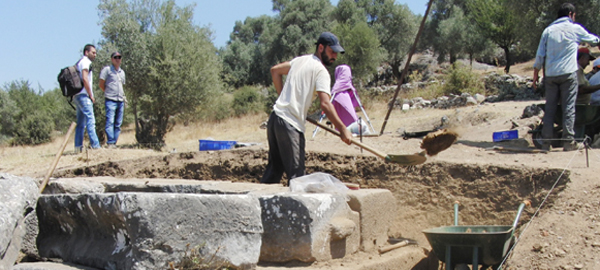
x=557 y=52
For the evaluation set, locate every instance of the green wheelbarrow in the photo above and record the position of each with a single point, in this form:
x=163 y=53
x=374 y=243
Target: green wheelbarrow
x=478 y=244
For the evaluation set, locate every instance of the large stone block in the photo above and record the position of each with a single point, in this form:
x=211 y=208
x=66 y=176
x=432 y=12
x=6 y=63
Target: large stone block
x=111 y=184
x=307 y=227
x=149 y=230
x=376 y=208
x=18 y=196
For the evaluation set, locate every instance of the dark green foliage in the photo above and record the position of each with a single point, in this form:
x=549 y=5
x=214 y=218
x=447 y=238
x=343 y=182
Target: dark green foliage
x=8 y=111
x=179 y=65
x=461 y=79
x=34 y=128
x=498 y=21
x=61 y=113
x=366 y=54
x=28 y=117
x=270 y=99
x=247 y=100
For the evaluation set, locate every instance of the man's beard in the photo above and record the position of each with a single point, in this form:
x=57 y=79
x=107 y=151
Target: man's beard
x=325 y=59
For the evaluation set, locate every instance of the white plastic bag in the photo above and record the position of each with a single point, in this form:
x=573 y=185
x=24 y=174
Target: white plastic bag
x=354 y=128
x=318 y=183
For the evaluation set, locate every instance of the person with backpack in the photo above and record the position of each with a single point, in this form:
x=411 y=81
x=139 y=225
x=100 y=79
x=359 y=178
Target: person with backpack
x=84 y=101
x=112 y=79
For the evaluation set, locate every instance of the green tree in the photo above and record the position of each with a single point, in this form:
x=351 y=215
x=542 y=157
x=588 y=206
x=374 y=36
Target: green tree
x=348 y=12
x=31 y=119
x=364 y=53
x=61 y=113
x=497 y=20
x=302 y=21
x=395 y=25
x=8 y=112
x=452 y=35
x=129 y=27
x=180 y=64
x=245 y=58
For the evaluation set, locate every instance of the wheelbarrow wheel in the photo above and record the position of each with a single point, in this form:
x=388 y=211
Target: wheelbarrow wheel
x=538 y=141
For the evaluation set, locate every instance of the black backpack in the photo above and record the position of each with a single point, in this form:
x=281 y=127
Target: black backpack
x=70 y=81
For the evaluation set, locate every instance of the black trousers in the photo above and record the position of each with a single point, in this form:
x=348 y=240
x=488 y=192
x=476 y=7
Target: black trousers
x=286 y=151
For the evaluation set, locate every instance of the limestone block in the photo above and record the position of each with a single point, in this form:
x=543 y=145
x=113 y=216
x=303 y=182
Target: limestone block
x=148 y=230
x=377 y=208
x=111 y=184
x=29 y=246
x=18 y=197
x=73 y=186
x=308 y=227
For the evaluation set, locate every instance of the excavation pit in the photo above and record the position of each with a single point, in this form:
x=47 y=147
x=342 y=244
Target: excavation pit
x=424 y=195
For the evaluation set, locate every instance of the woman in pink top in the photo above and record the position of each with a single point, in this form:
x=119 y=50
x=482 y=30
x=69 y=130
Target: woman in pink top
x=345 y=97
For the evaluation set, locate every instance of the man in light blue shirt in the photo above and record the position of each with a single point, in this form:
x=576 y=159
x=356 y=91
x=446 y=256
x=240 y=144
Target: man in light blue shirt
x=557 y=55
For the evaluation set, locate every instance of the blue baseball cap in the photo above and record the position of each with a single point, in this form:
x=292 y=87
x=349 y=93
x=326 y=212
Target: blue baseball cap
x=329 y=39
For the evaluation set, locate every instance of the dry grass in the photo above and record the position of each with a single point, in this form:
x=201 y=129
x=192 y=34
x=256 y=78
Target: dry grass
x=35 y=161
x=243 y=129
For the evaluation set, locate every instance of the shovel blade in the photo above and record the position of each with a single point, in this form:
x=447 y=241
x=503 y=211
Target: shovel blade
x=406 y=160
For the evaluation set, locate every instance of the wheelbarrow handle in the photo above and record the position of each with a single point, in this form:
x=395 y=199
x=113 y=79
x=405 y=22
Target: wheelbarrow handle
x=521 y=207
x=456 y=203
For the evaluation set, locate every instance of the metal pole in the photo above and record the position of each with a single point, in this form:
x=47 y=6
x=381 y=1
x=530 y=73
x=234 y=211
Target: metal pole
x=360 y=131
x=406 y=67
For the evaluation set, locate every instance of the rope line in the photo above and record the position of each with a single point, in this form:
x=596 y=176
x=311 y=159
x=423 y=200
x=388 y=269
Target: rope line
x=537 y=211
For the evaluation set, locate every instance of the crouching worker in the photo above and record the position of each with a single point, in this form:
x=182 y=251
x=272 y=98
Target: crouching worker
x=585 y=89
x=306 y=75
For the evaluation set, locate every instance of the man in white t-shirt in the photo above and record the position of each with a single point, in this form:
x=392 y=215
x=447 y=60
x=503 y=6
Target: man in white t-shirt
x=84 y=101
x=306 y=76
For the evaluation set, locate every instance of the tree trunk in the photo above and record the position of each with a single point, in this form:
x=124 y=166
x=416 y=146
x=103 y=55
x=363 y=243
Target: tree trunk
x=508 y=59
x=452 y=58
x=471 y=60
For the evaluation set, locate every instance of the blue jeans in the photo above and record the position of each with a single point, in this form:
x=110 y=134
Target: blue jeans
x=114 y=119
x=85 y=119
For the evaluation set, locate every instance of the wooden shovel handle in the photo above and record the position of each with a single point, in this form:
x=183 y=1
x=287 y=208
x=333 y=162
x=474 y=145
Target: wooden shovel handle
x=394 y=246
x=357 y=143
x=57 y=157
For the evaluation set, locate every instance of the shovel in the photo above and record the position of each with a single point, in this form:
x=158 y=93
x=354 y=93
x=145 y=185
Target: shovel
x=404 y=160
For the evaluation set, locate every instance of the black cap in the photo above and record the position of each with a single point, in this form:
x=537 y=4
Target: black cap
x=115 y=54
x=329 y=39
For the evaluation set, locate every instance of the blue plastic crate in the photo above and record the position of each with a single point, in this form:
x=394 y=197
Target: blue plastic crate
x=206 y=145
x=506 y=135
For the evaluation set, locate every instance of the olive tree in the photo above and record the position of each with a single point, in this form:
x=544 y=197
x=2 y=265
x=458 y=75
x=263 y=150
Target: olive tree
x=396 y=27
x=497 y=20
x=173 y=66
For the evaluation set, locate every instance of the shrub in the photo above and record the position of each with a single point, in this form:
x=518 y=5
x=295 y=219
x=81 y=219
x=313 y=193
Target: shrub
x=461 y=79
x=247 y=100
x=270 y=99
x=217 y=108
x=36 y=128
